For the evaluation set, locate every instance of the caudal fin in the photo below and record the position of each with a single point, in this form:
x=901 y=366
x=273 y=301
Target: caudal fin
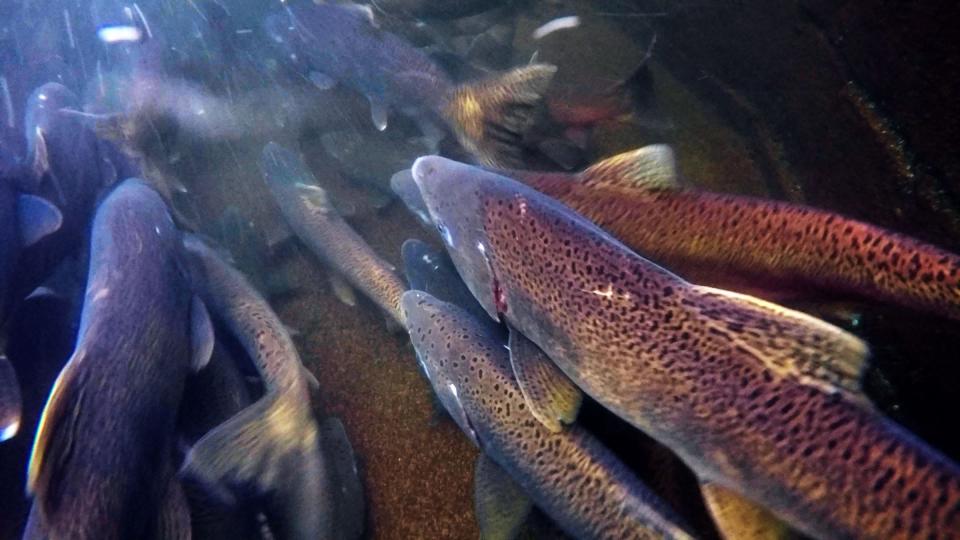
x=269 y=450
x=491 y=116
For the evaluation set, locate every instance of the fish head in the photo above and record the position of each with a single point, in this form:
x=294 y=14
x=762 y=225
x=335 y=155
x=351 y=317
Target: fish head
x=453 y=194
x=403 y=186
x=432 y=326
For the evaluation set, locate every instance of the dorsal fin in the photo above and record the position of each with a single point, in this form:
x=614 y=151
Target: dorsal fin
x=787 y=341
x=51 y=445
x=649 y=168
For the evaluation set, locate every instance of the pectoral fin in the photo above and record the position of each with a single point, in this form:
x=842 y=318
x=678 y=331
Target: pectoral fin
x=379 y=113
x=38 y=218
x=738 y=518
x=201 y=334
x=10 y=401
x=342 y=289
x=649 y=168
x=349 y=506
x=551 y=396
x=55 y=434
x=501 y=505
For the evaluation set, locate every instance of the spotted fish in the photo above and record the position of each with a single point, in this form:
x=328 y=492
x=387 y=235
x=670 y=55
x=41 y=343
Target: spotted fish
x=101 y=465
x=342 y=43
x=312 y=217
x=738 y=242
x=569 y=474
x=272 y=445
x=756 y=398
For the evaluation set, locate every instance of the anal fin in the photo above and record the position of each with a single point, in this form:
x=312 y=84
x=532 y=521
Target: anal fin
x=501 y=505
x=201 y=334
x=342 y=289
x=551 y=396
x=738 y=518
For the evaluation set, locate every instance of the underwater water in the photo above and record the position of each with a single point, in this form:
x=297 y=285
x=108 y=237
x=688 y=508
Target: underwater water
x=433 y=269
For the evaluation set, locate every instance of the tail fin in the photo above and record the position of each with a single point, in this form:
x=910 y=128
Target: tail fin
x=269 y=449
x=491 y=116
x=9 y=400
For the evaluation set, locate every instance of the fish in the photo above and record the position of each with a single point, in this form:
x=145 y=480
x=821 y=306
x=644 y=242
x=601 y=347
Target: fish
x=273 y=445
x=753 y=397
x=762 y=246
x=311 y=215
x=343 y=43
x=101 y=465
x=403 y=186
x=570 y=475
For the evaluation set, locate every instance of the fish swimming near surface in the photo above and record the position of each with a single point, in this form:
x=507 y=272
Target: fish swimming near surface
x=342 y=43
x=743 y=242
x=272 y=446
x=311 y=215
x=569 y=474
x=102 y=460
x=756 y=398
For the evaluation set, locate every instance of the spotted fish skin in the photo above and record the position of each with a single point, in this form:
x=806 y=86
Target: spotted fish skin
x=672 y=359
x=105 y=442
x=745 y=240
x=570 y=475
x=317 y=224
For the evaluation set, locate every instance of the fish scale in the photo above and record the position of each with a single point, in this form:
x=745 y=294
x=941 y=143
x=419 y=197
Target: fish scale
x=638 y=339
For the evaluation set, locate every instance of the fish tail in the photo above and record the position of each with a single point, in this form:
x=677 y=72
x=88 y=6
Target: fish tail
x=270 y=450
x=491 y=117
x=10 y=404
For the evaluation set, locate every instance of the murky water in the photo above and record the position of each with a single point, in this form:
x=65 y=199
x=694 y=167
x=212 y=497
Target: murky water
x=841 y=108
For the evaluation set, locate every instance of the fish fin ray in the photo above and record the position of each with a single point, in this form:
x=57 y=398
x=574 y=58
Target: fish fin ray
x=789 y=342
x=501 y=505
x=201 y=334
x=11 y=404
x=491 y=116
x=648 y=168
x=38 y=218
x=738 y=517
x=549 y=394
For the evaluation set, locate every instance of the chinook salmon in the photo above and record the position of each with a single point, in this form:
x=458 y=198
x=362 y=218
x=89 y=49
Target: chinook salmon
x=569 y=474
x=738 y=242
x=342 y=43
x=755 y=398
x=102 y=460
x=310 y=214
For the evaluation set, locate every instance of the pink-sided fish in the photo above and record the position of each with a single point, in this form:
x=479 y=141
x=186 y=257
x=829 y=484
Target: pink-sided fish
x=755 y=398
x=342 y=43
x=743 y=242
